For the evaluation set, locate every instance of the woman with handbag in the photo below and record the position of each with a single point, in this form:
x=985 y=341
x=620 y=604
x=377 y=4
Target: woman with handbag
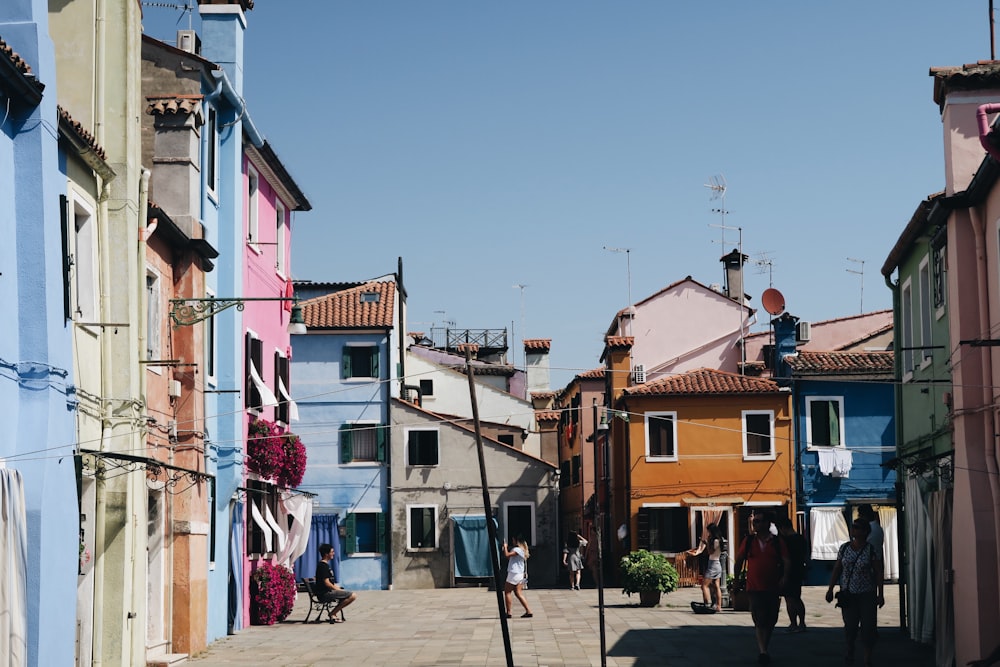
x=859 y=571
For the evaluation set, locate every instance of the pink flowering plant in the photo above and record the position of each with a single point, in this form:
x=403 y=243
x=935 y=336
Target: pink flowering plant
x=265 y=449
x=293 y=465
x=273 y=593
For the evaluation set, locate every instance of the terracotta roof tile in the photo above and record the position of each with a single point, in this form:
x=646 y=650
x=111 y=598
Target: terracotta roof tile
x=543 y=394
x=537 y=344
x=592 y=374
x=368 y=305
x=547 y=415
x=171 y=105
x=618 y=341
x=841 y=363
x=705 y=381
x=81 y=132
x=19 y=63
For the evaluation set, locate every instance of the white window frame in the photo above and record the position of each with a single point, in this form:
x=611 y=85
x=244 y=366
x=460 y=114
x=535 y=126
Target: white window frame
x=253 y=208
x=365 y=423
x=85 y=276
x=212 y=152
x=281 y=230
x=747 y=456
x=154 y=318
x=376 y=511
x=506 y=522
x=211 y=346
x=409 y=533
x=843 y=441
x=906 y=335
x=926 y=312
x=665 y=413
x=363 y=378
x=406 y=444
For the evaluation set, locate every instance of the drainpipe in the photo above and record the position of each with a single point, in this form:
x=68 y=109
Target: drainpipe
x=984 y=129
x=897 y=365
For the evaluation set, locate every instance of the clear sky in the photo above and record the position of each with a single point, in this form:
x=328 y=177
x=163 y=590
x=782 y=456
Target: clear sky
x=496 y=144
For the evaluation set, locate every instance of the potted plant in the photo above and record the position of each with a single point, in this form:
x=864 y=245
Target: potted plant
x=648 y=574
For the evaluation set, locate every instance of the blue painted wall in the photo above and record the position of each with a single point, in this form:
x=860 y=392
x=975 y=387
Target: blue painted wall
x=36 y=381
x=325 y=402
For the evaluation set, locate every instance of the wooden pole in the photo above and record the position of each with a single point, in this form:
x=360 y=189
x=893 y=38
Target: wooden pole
x=498 y=578
x=598 y=520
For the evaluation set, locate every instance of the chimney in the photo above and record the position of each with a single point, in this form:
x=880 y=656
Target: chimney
x=959 y=91
x=733 y=263
x=177 y=120
x=223 y=24
x=784 y=344
x=536 y=358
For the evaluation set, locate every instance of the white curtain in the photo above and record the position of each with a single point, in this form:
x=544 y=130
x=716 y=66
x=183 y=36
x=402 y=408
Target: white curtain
x=940 y=509
x=293 y=409
x=890 y=548
x=13 y=571
x=920 y=570
x=265 y=528
x=267 y=398
x=279 y=531
x=299 y=508
x=828 y=530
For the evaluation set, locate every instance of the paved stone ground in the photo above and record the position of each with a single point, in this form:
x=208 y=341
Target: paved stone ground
x=461 y=627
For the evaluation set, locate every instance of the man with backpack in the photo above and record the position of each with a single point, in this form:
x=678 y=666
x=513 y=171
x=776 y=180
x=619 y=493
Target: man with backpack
x=766 y=558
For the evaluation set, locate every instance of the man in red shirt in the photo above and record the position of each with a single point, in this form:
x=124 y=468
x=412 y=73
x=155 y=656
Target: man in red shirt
x=767 y=564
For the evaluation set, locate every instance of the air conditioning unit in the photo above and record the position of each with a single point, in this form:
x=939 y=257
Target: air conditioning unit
x=175 y=389
x=803 y=332
x=638 y=374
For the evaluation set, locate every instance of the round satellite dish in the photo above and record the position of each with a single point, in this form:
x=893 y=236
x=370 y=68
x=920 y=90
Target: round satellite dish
x=773 y=300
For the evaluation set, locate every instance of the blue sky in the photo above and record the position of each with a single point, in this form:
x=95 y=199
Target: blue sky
x=494 y=144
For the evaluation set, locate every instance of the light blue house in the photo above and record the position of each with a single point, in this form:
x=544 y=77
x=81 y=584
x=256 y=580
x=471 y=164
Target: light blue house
x=39 y=524
x=346 y=369
x=844 y=407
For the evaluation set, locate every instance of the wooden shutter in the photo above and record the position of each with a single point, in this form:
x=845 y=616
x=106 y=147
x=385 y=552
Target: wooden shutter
x=643 y=529
x=352 y=534
x=374 y=359
x=346 y=450
x=67 y=259
x=380 y=533
x=380 y=440
x=345 y=362
x=250 y=391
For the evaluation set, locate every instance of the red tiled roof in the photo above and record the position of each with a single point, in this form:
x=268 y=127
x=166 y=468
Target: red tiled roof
x=15 y=58
x=349 y=309
x=592 y=374
x=705 y=381
x=543 y=394
x=983 y=74
x=618 y=341
x=81 y=132
x=547 y=415
x=168 y=105
x=537 y=344
x=841 y=362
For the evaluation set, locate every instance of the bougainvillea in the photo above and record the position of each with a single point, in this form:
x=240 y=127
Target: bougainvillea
x=293 y=465
x=265 y=448
x=273 y=594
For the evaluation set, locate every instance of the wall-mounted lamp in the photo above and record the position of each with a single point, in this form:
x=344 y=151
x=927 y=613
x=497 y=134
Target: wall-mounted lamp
x=185 y=312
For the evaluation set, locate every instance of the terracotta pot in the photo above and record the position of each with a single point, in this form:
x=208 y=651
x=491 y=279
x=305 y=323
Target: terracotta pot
x=649 y=598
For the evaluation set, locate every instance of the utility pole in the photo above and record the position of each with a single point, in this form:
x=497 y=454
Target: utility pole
x=524 y=354
x=859 y=272
x=631 y=310
x=598 y=521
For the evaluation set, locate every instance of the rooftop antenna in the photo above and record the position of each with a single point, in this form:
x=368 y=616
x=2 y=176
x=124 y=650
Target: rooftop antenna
x=524 y=354
x=718 y=187
x=717 y=184
x=861 y=273
x=628 y=276
x=185 y=9
x=993 y=51
x=764 y=263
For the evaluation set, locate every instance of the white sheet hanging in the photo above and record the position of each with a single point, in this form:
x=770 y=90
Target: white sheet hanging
x=842 y=462
x=826 y=461
x=828 y=530
x=13 y=570
x=258 y=519
x=279 y=532
x=890 y=548
x=293 y=409
x=299 y=507
x=267 y=398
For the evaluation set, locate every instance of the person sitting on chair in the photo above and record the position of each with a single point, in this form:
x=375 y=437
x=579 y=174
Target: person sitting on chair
x=329 y=589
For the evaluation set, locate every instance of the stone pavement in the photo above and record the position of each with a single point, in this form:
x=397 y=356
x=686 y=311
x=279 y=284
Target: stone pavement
x=460 y=626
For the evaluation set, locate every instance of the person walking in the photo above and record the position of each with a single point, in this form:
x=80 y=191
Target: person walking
x=767 y=563
x=711 y=579
x=572 y=558
x=877 y=535
x=859 y=571
x=798 y=556
x=517 y=560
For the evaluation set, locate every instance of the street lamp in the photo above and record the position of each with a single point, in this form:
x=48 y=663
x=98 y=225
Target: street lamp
x=185 y=312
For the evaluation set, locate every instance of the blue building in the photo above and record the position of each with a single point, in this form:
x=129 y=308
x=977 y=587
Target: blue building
x=39 y=525
x=346 y=369
x=844 y=411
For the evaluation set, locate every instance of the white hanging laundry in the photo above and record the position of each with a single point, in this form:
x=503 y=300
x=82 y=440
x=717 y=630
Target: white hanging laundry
x=278 y=532
x=826 y=461
x=258 y=519
x=267 y=398
x=293 y=409
x=842 y=462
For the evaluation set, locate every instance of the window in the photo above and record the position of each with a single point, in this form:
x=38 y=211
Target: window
x=281 y=379
x=212 y=150
x=154 y=307
x=824 y=423
x=281 y=229
x=253 y=196
x=210 y=340
x=564 y=479
x=577 y=467
x=260 y=536
x=421 y=527
x=906 y=315
x=519 y=521
x=427 y=388
x=253 y=400
x=83 y=261
x=926 y=312
x=758 y=434
x=365 y=532
x=359 y=361
x=506 y=438
x=663 y=529
x=938 y=258
x=362 y=441
x=422 y=448
x=661 y=435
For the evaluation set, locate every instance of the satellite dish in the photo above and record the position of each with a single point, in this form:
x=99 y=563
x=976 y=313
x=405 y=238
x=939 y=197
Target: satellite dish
x=773 y=300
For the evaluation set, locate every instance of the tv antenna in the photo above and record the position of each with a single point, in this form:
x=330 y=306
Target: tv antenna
x=860 y=272
x=717 y=184
x=524 y=354
x=764 y=264
x=185 y=9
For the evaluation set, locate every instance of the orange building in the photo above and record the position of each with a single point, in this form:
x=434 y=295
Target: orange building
x=705 y=446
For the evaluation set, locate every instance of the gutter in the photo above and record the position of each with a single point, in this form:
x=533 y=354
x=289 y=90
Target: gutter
x=224 y=90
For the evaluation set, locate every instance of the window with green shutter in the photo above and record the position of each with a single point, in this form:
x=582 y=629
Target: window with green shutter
x=365 y=532
x=823 y=421
x=359 y=361
x=362 y=442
